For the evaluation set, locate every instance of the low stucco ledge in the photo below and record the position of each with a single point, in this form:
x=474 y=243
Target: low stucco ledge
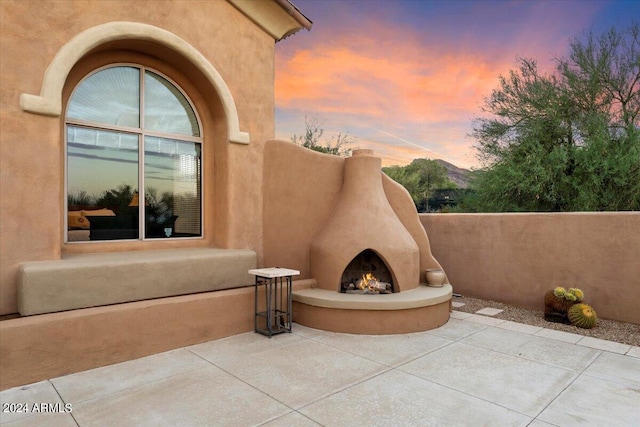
x=92 y=280
x=422 y=296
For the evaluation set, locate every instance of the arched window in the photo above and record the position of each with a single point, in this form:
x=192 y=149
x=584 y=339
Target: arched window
x=133 y=158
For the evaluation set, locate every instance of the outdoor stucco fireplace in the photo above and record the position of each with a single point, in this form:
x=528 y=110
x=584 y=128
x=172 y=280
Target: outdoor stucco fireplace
x=372 y=231
x=363 y=220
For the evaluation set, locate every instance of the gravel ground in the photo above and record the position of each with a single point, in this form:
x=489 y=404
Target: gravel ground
x=625 y=333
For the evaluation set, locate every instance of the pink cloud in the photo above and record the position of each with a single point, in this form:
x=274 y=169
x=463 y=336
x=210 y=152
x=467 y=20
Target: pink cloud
x=415 y=81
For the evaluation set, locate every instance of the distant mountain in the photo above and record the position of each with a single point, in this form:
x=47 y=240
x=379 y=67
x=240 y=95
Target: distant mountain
x=457 y=175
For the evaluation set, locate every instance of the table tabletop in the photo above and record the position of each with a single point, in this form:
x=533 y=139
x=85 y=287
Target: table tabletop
x=273 y=272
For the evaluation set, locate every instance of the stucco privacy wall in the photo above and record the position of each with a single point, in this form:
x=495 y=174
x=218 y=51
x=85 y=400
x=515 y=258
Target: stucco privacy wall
x=31 y=145
x=516 y=258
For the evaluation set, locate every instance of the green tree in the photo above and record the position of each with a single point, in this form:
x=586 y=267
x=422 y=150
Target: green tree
x=336 y=145
x=158 y=209
x=568 y=141
x=118 y=199
x=421 y=178
x=80 y=200
x=408 y=179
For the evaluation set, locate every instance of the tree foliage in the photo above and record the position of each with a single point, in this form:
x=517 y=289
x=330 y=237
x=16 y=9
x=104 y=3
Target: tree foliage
x=336 y=145
x=118 y=199
x=80 y=200
x=157 y=207
x=421 y=178
x=567 y=141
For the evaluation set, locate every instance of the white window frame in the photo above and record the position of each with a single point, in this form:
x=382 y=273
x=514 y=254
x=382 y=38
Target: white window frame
x=141 y=159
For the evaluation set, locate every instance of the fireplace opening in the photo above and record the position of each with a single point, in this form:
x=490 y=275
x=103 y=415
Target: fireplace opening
x=367 y=273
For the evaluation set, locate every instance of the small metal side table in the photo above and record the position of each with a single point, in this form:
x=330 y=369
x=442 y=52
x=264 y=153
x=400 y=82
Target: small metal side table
x=275 y=316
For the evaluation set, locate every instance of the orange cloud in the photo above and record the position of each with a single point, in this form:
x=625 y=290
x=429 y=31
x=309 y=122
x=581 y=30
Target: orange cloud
x=417 y=84
x=414 y=85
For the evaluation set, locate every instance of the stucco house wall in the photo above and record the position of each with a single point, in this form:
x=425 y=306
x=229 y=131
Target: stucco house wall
x=32 y=145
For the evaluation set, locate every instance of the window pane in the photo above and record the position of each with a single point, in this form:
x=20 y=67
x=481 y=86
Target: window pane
x=172 y=179
x=110 y=96
x=102 y=179
x=166 y=109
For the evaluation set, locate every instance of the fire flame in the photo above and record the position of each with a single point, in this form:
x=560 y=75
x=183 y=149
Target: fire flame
x=369 y=282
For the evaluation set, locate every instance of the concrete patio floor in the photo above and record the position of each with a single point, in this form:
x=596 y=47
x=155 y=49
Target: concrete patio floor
x=475 y=370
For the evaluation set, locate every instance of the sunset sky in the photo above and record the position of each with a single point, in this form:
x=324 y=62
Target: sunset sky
x=407 y=77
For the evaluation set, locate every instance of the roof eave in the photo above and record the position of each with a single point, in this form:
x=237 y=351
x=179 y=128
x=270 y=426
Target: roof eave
x=278 y=18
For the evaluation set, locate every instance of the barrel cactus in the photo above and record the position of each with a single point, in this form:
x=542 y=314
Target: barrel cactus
x=582 y=316
x=558 y=301
x=577 y=293
x=559 y=291
x=549 y=298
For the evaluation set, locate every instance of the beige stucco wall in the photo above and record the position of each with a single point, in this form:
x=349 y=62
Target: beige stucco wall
x=301 y=189
x=31 y=145
x=36 y=348
x=516 y=258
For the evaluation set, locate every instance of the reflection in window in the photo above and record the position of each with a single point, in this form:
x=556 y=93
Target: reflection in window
x=111 y=154
x=102 y=177
x=172 y=186
x=166 y=109
x=108 y=97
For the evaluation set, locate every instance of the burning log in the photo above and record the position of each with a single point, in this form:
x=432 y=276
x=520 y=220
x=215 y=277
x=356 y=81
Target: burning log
x=367 y=285
x=363 y=292
x=370 y=283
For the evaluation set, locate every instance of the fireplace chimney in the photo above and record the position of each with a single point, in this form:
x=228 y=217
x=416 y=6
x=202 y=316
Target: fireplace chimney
x=363 y=219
